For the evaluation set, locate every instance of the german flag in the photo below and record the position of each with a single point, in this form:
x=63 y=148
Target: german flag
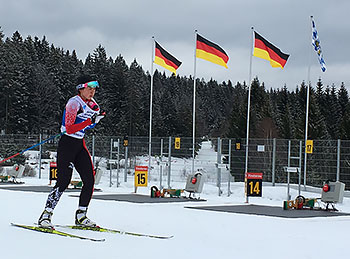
x=264 y=49
x=210 y=51
x=165 y=59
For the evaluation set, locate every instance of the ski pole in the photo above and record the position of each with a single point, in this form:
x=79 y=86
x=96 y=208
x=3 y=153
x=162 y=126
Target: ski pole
x=38 y=144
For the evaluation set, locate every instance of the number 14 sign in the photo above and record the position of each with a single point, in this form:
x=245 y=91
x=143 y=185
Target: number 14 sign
x=253 y=184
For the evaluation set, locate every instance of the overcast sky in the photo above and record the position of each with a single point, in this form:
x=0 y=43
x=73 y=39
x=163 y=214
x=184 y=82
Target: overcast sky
x=126 y=26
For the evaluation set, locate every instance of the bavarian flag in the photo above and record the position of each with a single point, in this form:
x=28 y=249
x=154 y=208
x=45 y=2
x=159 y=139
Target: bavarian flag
x=264 y=49
x=210 y=51
x=165 y=59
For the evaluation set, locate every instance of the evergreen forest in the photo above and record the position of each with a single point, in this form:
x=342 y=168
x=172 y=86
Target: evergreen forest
x=37 y=78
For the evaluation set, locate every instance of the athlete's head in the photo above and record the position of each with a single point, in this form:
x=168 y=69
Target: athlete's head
x=86 y=86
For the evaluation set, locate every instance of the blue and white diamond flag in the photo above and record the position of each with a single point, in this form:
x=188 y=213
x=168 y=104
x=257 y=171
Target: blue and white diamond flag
x=317 y=46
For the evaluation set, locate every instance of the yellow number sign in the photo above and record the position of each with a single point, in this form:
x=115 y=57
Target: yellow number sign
x=254 y=184
x=177 y=143
x=238 y=146
x=141 y=176
x=309 y=146
x=53 y=171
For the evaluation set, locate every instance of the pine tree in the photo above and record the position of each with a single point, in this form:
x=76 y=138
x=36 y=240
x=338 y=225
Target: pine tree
x=237 y=121
x=112 y=96
x=159 y=83
x=299 y=110
x=18 y=85
x=343 y=98
x=333 y=114
x=137 y=96
x=258 y=106
x=99 y=66
x=3 y=87
x=282 y=113
x=183 y=103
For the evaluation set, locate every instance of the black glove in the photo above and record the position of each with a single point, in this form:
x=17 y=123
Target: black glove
x=97 y=117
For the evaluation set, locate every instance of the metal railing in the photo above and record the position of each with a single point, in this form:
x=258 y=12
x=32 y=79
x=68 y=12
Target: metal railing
x=220 y=160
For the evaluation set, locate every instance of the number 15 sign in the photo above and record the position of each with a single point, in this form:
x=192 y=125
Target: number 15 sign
x=141 y=175
x=253 y=184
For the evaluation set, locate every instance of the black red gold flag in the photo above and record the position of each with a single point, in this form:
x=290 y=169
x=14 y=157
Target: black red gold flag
x=265 y=50
x=210 y=51
x=165 y=59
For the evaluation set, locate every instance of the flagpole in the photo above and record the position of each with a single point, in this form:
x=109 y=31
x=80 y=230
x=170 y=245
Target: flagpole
x=248 y=107
x=150 y=111
x=194 y=101
x=306 y=129
x=307 y=108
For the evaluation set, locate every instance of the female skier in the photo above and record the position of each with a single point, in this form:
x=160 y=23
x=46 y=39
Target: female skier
x=81 y=113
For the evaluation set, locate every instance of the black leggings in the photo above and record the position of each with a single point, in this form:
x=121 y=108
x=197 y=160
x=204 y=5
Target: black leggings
x=73 y=152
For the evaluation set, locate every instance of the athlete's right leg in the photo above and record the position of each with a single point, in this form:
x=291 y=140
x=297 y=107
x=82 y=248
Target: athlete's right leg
x=66 y=151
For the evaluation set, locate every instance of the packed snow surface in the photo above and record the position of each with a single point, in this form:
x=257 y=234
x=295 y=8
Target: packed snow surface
x=197 y=233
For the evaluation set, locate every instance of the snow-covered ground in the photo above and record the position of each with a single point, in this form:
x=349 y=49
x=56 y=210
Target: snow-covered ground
x=197 y=233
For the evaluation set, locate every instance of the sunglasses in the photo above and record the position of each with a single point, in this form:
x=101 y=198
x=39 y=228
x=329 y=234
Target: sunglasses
x=92 y=84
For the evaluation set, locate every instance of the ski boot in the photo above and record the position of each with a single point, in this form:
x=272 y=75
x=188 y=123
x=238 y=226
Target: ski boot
x=45 y=220
x=83 y=221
